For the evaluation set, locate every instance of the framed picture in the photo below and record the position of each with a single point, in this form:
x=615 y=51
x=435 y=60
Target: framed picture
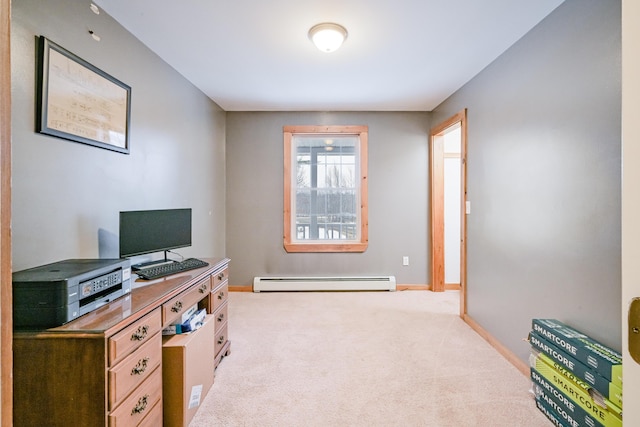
x=79 y=102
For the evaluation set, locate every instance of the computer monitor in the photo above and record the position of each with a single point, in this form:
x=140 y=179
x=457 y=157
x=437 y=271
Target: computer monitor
x=148 y=231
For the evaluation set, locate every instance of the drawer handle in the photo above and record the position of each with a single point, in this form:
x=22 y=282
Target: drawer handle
x=140 y=334
x=203 y=288
x=221 y=295
x=221 y=317
x=221 y=340
x=140 y=367
x=177 y=307
x=141 y=405
x=221 y=276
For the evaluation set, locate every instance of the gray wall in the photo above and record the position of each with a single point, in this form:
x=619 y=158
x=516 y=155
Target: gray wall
x=544 y=155
x=66 y=195
x=398 y=197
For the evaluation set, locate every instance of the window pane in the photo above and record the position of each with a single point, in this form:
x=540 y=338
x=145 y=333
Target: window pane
x=325 y=203
x=303 y=172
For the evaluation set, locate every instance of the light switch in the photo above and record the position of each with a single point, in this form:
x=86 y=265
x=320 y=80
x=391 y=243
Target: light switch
x=467 y=207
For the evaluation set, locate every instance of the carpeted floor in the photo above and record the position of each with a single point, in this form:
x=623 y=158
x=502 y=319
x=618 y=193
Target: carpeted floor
x=361 y=359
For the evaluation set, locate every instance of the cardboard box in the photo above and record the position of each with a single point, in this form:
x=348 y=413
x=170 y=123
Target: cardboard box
x=599 y=383
x=575 y=390
x=559 y=403
x=553 y=416
x=187 y=372
x=606 y=361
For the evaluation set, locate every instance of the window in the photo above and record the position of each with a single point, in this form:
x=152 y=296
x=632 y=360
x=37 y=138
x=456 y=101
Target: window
x=325 y=189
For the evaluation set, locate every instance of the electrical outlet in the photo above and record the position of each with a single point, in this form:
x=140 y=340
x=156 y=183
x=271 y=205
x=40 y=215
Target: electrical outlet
x=405 y=260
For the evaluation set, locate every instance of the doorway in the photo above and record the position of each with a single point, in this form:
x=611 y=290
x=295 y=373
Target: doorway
x=448 y=189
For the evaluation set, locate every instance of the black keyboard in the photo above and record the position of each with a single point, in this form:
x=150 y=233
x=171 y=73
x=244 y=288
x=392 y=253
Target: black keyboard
x=171 y=268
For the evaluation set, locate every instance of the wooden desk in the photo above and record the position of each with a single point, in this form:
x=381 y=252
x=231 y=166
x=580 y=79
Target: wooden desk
x=105 y=368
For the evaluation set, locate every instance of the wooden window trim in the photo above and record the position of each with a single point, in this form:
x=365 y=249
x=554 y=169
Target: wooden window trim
x=361 y=246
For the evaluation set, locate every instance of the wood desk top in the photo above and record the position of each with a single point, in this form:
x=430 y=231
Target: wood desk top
x=145 y=296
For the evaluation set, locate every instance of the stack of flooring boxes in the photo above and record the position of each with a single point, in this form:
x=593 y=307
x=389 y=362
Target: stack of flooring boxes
x=576 y=380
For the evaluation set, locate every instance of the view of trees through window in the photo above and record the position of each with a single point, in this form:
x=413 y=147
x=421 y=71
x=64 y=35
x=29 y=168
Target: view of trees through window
x=326 y=196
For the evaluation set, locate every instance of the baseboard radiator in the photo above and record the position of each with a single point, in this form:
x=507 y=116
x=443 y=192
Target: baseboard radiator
x=361 y=283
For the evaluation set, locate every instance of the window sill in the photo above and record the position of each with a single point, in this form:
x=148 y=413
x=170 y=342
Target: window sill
x=326 y=247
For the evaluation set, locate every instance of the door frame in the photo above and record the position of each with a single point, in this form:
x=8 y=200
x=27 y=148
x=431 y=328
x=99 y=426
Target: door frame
x=630 y=231
x=436 y=153
x=6 y=322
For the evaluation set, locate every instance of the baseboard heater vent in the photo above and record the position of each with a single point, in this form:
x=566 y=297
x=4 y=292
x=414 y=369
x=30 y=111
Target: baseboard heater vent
x=361 y=283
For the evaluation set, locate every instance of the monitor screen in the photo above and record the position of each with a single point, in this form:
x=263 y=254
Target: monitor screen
x=145 y=232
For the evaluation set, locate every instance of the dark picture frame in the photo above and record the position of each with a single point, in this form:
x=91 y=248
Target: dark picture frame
x=79 y=102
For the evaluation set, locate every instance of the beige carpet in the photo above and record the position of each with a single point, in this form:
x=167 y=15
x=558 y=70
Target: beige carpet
x=361 y=359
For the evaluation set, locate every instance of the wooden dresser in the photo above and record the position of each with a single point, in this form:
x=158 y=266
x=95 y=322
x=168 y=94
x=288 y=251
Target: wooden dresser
x=105 y=368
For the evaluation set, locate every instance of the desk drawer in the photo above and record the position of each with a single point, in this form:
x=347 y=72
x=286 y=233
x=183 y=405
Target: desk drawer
x=173 y=309
x=134 y=369
x=133 y=336
x=140 y=403
x=220 y=277
x=154 y=418
x=220 y=296
x=221 y=339
x=221 y=315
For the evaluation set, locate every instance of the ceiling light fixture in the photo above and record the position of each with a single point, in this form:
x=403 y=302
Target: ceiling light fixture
x=328 y=37
x=94 y=9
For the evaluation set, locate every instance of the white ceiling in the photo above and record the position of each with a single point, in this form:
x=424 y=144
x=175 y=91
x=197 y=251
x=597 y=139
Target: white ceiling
x=400 y=55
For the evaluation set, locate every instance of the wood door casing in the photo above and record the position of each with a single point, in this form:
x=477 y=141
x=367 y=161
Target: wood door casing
x=6 y=325
x=437 y=204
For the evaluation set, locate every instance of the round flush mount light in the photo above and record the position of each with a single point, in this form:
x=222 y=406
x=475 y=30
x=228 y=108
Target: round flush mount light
x=328 y=37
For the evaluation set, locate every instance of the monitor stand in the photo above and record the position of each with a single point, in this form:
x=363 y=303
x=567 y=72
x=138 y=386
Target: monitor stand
x=157 y=262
